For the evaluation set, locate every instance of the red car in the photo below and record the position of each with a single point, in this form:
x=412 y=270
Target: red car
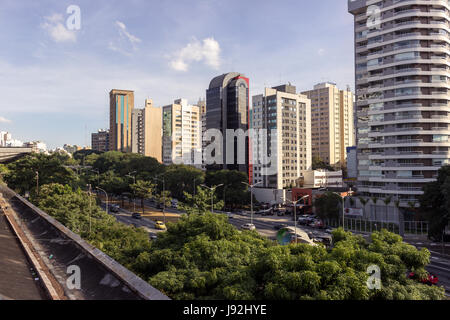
x=430 y=280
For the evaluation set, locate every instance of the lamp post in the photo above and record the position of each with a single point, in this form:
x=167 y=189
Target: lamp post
x=349 y=193
x=295 y=213
x=134 y=182
x=37 y=183
x=90 y=211
x=164 y=193
x=251 y=198
x=212 y=189
x=106 y=194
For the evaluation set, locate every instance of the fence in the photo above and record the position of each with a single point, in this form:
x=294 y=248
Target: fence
x=368 y=226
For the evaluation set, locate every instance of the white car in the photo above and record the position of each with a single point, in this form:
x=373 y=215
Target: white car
x=248 y=226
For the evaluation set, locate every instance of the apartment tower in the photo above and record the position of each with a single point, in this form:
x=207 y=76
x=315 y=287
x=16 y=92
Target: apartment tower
x=121 y=105
x=100 y=140
x=282 y=109
x=332 y=124
x=147 y=131
x=182 y=129
x=402 y=108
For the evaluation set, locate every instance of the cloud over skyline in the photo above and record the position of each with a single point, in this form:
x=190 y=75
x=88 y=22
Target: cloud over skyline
x=208 y=51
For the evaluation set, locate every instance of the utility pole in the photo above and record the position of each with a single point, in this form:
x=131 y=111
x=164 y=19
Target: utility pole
x=37 y=183
x=90 y=209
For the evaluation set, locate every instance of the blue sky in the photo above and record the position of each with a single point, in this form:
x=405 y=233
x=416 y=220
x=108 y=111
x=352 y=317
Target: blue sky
x=55 y=82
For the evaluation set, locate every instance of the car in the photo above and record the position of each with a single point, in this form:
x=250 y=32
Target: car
x=160 y=225
x=248 y=226
x=136 y=215
x=114 y=208
x=230 y=215
x=430 y=280
x=317 y=224
x=174 y=203
x=304 y=220
x=153 y=236
x=280 y=226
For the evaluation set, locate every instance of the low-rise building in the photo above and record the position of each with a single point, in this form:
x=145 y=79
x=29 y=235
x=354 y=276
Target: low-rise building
x=322 y=179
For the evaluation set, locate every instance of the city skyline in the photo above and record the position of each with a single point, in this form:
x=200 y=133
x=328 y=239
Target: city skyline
x=60 y=79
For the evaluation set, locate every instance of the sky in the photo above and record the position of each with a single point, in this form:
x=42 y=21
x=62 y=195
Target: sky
x=57 y=67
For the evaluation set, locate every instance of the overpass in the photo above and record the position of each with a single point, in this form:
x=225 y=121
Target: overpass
x=11 y=153
x=42 y=259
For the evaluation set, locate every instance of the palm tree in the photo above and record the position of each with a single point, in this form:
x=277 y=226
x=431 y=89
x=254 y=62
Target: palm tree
x=375 y=200
x=387 y=201
x=363 y=202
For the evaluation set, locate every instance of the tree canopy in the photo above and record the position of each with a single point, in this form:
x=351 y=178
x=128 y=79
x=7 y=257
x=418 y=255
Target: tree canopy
x=435 y=203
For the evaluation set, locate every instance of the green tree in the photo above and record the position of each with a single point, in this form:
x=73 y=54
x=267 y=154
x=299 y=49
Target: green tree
x=201 y=202
x=328 y=206
x=318 y=163
x=435 y=203
x=143 y=190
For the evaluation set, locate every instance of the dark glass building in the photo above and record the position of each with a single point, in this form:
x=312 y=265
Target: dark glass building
x=227 y=107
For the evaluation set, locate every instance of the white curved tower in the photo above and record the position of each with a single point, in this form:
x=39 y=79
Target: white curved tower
x=402 y=110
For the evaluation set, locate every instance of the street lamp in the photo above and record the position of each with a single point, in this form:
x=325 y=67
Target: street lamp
x=212 y=189
x=295 y=212
x=37 y=183
x=134 y=182
x=164 y=193
x=349 y=194
x=251 y=198
x=90 y=211
x=106 y=194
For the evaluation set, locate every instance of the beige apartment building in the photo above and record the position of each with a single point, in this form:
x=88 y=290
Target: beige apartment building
x=282 y=109
x=147 y=131
x=121 y=105
x=332 y=126
x=182 y=134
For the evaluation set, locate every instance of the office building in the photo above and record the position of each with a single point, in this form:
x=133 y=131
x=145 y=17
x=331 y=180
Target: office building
x=100 y=140
x=331 y=123
x=147 y=131
x=182 y=129
x=282 y=109
x=121 y=107
x=402 y=72
x=227 y=107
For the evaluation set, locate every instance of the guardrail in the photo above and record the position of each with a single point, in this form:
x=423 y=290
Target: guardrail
x=101 y=277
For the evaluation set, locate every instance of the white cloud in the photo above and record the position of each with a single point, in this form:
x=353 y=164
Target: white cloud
x=121 y=44
x=57 y=30
x=321 y=52
x=4 y=120
x=207 y=51
x=124 y=33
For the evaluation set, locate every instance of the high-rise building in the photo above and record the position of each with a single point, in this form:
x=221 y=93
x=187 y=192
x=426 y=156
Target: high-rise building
x=402 y=108
x=227 y=107
x=182 y=129
x=147 y=130
x=282 y=109
x=100 y=140
x=121 y=106
x=331 y=123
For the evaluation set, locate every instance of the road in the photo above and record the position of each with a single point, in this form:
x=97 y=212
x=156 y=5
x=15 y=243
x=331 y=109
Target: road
x=265 y=225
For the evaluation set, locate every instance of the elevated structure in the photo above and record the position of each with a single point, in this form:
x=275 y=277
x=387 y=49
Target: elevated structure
x=12 y=153
x=56 y=252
